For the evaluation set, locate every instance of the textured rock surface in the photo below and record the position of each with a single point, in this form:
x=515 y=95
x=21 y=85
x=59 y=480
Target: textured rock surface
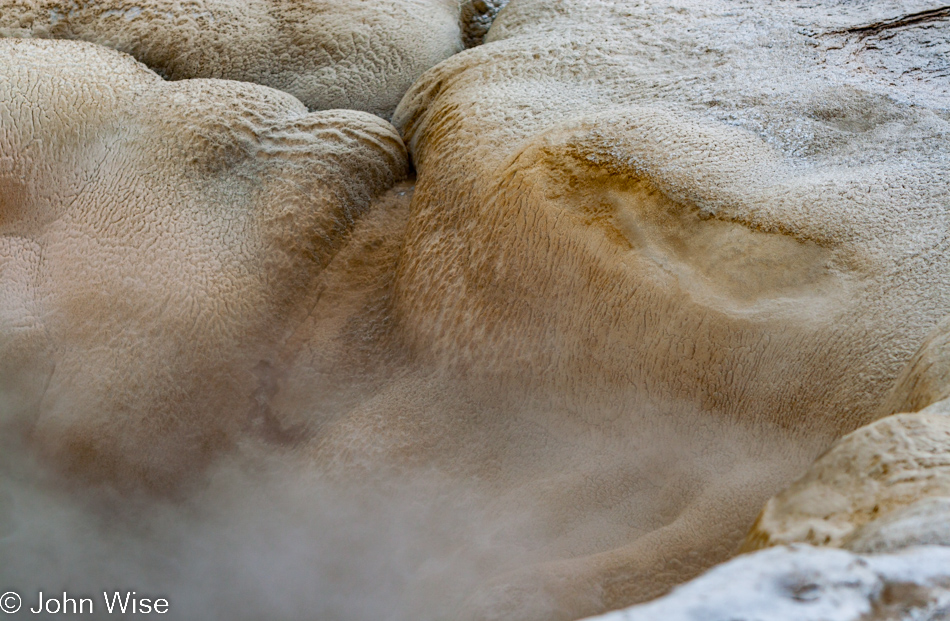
x=629 y=198
x=477 y=18
x=327 y=53
x=643 y=280
x=158 y=243
x=810 y=584
x=869 y=473
x=925 y=380
x=924 y=522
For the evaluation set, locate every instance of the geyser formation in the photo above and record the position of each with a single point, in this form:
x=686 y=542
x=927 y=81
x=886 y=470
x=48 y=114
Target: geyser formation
x=536 y=343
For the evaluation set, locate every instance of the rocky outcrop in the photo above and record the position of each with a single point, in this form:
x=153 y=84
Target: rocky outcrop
x=924 y=522
x=476 y=18
x=925 y=380
x=685 y=214
x=183 y=223
x=870 y=473
x=327 y=53
x=802 y=583
x=659 y=256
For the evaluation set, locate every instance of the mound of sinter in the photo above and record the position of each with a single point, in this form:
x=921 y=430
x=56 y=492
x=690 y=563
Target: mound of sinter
x=669 y=245
x=327 y=53
x=659 y=257
x=159 y=241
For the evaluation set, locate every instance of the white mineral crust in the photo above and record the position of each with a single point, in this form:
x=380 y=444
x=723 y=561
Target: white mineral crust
x=805 y=583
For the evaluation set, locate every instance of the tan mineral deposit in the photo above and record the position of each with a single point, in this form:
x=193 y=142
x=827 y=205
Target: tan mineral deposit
x=308 y=312
x=358 y=54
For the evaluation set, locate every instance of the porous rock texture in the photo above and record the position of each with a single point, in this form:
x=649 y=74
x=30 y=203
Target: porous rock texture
x=477 y=17
x=355 y=54
x=925 y=381
x=887 y=465
x=922 y=522
x=885 y=486
x=658 y=257
x=810 y=584
x=662 y=220
x=159 y=242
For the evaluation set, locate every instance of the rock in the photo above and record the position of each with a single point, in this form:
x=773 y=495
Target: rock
x=158 y=242
x=676 y=224
x=659 y=256
x=801 y=583
x=925 y=379
x=925 y=522
x=880 y=468
x=477 y=17
x=327 y=53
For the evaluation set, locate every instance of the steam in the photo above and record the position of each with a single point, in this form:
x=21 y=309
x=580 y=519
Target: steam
x=272 y=542
x=269 y=536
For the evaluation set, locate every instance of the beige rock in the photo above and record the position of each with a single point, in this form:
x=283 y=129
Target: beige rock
x=327 y=53
x=925 y=522
x=158 y=244
x=925 y=380
x=662 y=220
x=872 y=473
x=659 y=257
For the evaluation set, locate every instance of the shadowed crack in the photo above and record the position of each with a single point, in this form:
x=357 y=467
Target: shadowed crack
x=912 y=19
